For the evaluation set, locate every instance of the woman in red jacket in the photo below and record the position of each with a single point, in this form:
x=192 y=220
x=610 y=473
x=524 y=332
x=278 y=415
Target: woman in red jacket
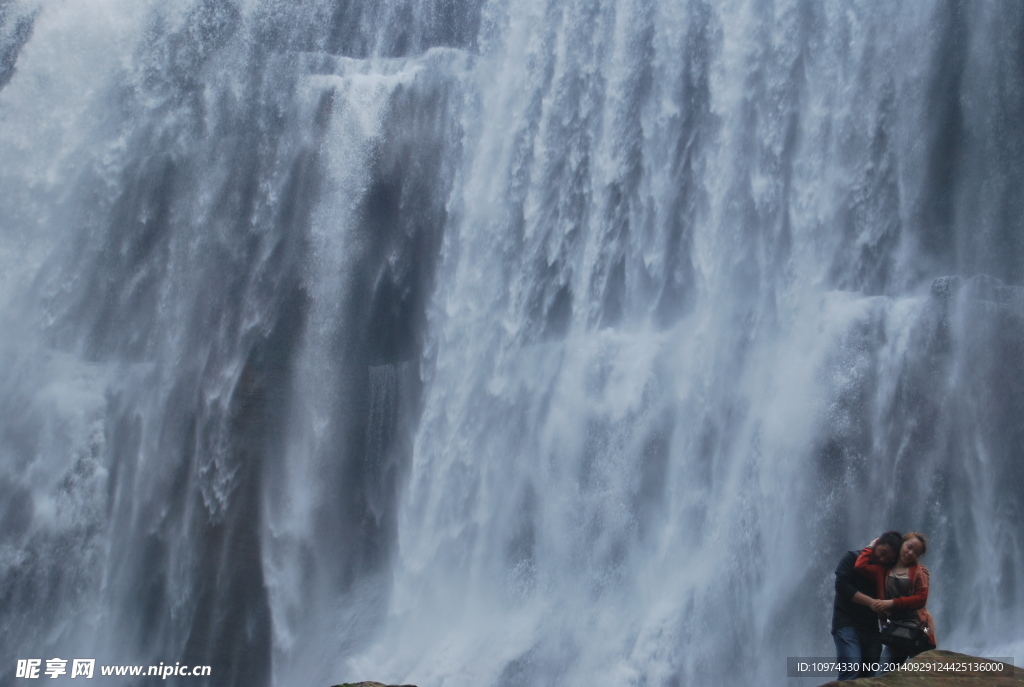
x=902 y=590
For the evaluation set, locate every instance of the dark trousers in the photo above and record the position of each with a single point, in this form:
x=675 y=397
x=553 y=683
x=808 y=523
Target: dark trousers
x=858 y=646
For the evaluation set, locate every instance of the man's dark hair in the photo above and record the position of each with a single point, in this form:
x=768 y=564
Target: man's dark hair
x=893 y=539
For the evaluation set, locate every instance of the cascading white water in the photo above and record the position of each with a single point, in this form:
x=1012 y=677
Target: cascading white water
x=486 y=343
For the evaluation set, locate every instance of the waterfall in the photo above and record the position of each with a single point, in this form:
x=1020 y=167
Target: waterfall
x=466 y=342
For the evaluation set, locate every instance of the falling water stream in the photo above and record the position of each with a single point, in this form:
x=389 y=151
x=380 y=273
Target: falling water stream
x=484 y=343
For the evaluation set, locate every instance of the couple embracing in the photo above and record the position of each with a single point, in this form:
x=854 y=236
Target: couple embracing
x=884 y=584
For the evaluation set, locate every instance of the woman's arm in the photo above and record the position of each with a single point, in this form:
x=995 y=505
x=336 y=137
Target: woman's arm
x=865 y=566
x=918 y=594
x=873 y=571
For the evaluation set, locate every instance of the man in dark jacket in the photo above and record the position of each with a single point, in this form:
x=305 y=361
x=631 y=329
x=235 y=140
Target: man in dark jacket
x=854 y=623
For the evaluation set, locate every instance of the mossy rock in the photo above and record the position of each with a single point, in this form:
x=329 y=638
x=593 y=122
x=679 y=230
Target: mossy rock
x=936 y=678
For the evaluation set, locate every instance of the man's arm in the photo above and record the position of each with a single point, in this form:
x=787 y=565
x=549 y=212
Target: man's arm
x=844 y=584
x=863 y=599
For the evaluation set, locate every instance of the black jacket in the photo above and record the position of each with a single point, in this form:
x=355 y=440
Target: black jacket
x=846 y=613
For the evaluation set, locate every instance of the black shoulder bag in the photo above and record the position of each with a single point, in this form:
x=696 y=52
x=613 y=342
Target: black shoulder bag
x=906 y=636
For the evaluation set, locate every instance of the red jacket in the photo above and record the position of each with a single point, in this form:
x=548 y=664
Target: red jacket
x=919 y=579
